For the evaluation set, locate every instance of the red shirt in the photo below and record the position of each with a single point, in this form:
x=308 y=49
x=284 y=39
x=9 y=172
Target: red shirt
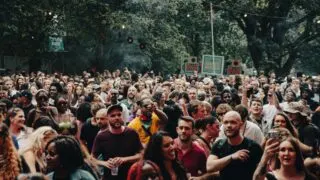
x=194 y=160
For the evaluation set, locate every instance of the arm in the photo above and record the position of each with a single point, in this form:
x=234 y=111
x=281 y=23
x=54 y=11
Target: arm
x=128 y=159
x=214 y=164
x=163 y=118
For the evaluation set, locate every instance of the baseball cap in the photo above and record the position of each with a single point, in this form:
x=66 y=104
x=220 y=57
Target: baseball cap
x=113 y=107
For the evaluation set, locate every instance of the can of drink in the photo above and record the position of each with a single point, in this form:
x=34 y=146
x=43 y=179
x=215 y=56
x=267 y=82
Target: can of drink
x=114 y=171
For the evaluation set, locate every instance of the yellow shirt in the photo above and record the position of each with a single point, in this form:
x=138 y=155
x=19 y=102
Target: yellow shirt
x=136 y=124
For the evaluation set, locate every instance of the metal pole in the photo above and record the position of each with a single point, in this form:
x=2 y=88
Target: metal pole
x=212 y=37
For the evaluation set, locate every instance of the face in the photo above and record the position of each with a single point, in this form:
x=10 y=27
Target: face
x=53 y=91
x=226 y=97
x=52 y=157
x=147 y=108
x=132 y=91
x=168 y=148
x=214 y=129
x=280 y=121
x=33 y=90
x=184 y=130
x=69 y=87
x=115 y=119
x=79 y=90
x=62 y=105
x=42 y=99
x=256 y=108
x=231 y=126
x=289 y=97
x=287 y=154
x=47 y=136
x=101 y=120
x=201 y=113
x=192 y=94
x=18 y=120
x=293 y=117
x=8 y=84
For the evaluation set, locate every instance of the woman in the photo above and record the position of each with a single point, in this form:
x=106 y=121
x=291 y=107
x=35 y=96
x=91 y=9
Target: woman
x=289 y=163
x=144 y=170
x=64 y=158
x=9 y=158
x=282 y=120
x=33 y=151
x=160 y=150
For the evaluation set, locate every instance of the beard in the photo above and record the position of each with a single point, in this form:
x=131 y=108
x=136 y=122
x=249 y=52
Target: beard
x=234 y=134
x=116 y=125
x=184 y=138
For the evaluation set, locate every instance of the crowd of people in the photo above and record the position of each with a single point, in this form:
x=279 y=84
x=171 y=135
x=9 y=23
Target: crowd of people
x=125 y=125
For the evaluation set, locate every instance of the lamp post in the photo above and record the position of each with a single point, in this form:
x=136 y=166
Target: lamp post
x=212 y=36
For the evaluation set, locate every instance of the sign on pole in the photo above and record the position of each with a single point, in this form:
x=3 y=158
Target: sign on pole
x=190 y=66
x=234 y=68
x=212 y=66
x=56 y=44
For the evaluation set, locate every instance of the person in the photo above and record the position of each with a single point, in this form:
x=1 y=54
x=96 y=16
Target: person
x=9 y=158
x=193 y=157
x=209 y=129
x=143 y=170
x=149 y=122
x=160 y=150
x=196 y=110
x=119 y=145
x=289 y=164
x=131 y=99
x=64 y=157
x=236 y=156
x=15 y=121
x=173 y=111
x=25 y=102
x=282 y=120
x=33 y=151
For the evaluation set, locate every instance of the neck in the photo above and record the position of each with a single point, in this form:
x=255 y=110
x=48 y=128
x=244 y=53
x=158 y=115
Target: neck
x=288 y=171
x=205 y=135
x=256 y=116
x=116 y=131
x=235 y=140
x=185 y=145
x=168 y=165
x=15 y=130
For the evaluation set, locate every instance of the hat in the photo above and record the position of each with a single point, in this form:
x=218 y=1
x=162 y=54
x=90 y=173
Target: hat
x=96 y=87
x=113 y=107
x=26 y=94
x=296 y=107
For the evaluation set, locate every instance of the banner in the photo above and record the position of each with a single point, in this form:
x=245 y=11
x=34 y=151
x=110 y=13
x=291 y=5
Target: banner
x=212 y=66
x=56 y=44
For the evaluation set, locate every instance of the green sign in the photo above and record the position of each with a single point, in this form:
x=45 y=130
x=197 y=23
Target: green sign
x=56 y=44
x=212 y=66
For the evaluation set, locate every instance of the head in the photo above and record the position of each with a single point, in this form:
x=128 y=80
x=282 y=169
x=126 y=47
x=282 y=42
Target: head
x=42 y=98
x=185 y=128
x=209 y=125
x=101 y=118
x=160 y=148
x=114 y=94
x=256 y=107
x=222 y=109
x=196 y=109
x=226 y=96
x=296 y=112
x=290 y=155
x=146 y=106
x=84 y=112
x=243 y=111
x=115 y=118
x=290 y=96
x=192 y=93
x=62 y=105
x=132 y=92
x=63 y=152
x=16 y=118
x=144 y=170
x=232 y=123
x=55 y=89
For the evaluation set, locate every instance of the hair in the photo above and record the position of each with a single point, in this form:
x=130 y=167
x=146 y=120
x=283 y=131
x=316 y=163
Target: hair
x=299 y=163
x=243 y=111
x=289 y=125
x=223 y=107
x=136 y=170
x=69 y=152
x=202 y=123
x=84 y=112
x=11 y=157
x=153 y=152
x=187 y=119
x=256 y=100
x=95 y=107
x=12 y=113
x=58 y=86
x=36 y=142
x=193 y=106
x=185 y=96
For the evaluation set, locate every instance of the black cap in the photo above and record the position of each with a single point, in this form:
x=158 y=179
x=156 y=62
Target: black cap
x=113 y=107
x=26 y=94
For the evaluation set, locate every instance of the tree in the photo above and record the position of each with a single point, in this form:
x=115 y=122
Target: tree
x=277 y=32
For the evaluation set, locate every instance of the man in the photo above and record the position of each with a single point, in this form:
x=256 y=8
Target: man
x=309 y=134
x=114 y=94
x=236 y=157
x=131 y=98
x=149 y=122
x=119 y=146
x=248 y=129
x=190 y=154
x=90 y=128
x=192 y=93
x=25 y=102
x=196 y=110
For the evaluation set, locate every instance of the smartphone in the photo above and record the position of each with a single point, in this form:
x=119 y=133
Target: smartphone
x=274 y=134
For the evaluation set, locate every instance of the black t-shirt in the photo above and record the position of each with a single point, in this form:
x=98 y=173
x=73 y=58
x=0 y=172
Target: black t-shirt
x=88 y=133
x=309 y=134
x=117 y=145
x=237 y=169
